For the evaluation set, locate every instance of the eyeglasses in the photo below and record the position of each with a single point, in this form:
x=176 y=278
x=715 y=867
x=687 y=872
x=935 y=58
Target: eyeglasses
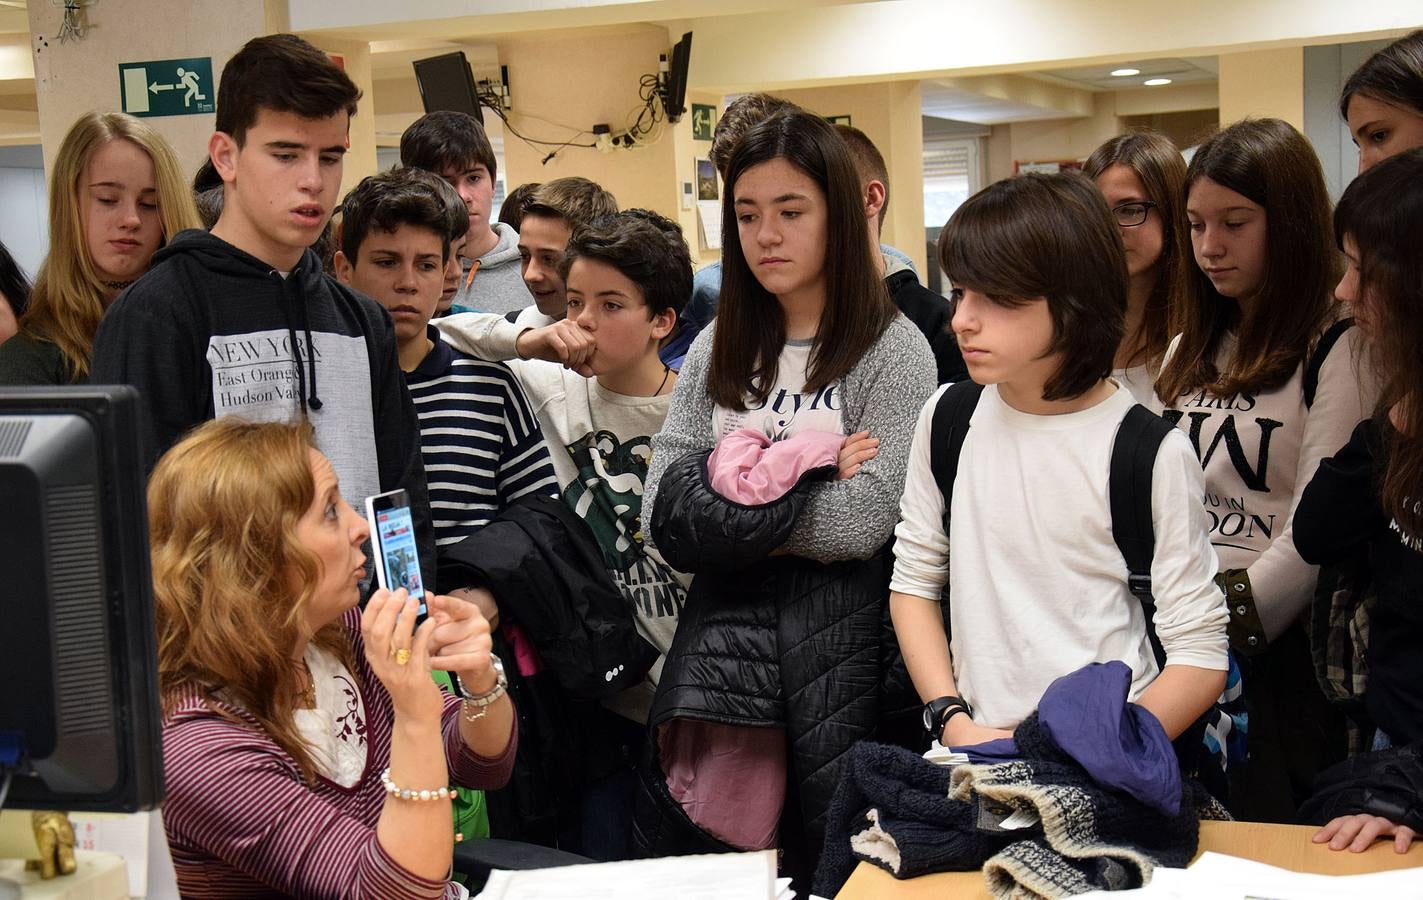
x=1130 y=215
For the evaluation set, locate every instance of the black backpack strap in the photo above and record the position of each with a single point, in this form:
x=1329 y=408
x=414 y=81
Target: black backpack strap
x=1129 y=492
x=1327 y=340
x=947 y=431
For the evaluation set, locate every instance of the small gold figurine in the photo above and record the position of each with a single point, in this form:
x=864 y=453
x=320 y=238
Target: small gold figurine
x=55 y=836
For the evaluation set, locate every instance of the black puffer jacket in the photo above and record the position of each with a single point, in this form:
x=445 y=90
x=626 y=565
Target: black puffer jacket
x=777 y=641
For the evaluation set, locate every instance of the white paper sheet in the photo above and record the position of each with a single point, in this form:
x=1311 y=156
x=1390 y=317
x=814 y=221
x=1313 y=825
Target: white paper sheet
x=709 y=212
x=1223 y=877
x=710 y=877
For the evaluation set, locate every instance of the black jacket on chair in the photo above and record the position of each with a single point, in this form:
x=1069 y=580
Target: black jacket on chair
x=544 y=566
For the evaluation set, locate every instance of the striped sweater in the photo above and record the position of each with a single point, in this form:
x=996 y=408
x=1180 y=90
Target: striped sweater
x=241 y=822
x=480 y=440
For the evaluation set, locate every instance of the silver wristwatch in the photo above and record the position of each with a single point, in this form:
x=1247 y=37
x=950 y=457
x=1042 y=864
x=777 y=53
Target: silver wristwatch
x=501 y=686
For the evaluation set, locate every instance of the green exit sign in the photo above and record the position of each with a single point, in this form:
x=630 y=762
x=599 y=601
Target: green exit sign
x=168 y=87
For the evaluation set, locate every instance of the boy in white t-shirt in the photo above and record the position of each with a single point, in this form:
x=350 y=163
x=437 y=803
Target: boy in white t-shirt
x=1038 y=586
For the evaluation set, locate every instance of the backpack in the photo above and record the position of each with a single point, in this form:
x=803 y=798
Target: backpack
x=1129 y=497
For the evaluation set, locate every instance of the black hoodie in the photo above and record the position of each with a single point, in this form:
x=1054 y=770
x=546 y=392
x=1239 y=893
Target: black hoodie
x=209 y=332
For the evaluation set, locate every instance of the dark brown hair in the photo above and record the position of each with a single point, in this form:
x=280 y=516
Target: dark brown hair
x=1048 y=236
x=1162 y=171
x=1382 y=212
x=646 y=247
x=399 y=197
x=869 y=162
x=750 y=326
x=1393 y=75
x=511 y=211
x=741 y=115
x=1269 y=163
x=444 y=140
x=575 y=200
x=282 y=73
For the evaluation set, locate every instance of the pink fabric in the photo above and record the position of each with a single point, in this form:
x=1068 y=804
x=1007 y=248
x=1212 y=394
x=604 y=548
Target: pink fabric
x=730 y=779
x=526 y=658
x=748 y=467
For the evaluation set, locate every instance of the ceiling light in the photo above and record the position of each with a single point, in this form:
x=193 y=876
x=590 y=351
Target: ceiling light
x=1122 y=73
x=1156 y=82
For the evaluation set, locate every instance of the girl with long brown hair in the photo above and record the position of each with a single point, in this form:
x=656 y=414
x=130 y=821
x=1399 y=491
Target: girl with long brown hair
x=806 y=343
x=117 y=194
x=1368 y=494
x=1143 y=178
x=306 y=749
x=1262 y=378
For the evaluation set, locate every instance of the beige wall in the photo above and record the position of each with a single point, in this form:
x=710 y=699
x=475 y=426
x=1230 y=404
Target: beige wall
x=1263 y=83
x=1063 y=139
x=889 y=115
x=74 y=77
x=578 y=81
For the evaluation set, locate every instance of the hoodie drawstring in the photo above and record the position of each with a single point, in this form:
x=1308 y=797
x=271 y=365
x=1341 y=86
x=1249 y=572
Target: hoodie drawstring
x=308 y=401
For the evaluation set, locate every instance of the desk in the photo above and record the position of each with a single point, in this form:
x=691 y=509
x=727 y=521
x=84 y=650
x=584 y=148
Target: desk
x=1286 y=846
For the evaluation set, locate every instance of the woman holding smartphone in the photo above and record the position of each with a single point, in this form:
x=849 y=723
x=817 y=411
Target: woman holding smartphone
x=307 y=750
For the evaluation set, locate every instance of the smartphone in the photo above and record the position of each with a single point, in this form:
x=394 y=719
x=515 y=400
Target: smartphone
x=397 y=561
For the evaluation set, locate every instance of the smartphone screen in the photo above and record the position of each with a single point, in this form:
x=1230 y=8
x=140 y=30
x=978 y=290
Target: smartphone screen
x=397 y=561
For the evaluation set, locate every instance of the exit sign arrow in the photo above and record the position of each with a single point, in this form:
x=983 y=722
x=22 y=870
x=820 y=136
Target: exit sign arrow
x=155 y=87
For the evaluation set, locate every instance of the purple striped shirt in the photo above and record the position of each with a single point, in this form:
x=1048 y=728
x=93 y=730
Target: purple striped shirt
x=242 y=823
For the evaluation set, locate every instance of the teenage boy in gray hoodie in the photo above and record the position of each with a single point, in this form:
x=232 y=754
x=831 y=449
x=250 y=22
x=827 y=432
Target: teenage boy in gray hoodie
x=454 y=146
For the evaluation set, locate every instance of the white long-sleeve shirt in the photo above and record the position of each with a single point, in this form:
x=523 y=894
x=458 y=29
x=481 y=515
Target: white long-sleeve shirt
x=1038 y=585
x=1258 y=452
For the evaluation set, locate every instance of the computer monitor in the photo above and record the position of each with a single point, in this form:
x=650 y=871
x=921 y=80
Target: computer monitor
x=80 y=721
x=674 y=98
x=446 y=82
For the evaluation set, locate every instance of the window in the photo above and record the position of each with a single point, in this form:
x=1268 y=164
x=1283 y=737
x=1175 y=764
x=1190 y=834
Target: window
x=951 y=176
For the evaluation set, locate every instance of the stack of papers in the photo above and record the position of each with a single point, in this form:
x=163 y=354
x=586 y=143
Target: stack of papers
x=1222 y=877
x=743 y=876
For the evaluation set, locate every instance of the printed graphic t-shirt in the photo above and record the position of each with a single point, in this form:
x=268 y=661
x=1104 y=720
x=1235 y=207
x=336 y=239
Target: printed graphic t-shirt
x=789 y=408
x=600 y=442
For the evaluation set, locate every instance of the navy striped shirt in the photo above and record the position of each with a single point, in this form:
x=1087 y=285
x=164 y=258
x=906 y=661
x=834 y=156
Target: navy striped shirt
x=479 y=437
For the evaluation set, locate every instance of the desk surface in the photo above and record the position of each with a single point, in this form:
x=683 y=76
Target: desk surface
x=1286 y=846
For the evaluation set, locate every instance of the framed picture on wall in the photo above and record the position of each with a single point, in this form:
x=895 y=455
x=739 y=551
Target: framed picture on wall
x=839 y=120
x=706 y=180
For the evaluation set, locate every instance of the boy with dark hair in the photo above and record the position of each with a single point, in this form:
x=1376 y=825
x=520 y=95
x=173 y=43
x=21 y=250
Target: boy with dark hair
x=926 y=309
x=242 y=321
x=627 y=275
x=453 y=145
x=550 y=215
x=1038 y=584
x=480 y=441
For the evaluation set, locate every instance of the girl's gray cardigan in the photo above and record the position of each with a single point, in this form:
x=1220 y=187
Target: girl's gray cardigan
x=882 y=394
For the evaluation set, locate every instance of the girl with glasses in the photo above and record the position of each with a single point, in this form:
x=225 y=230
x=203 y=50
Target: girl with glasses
x=1143 y=178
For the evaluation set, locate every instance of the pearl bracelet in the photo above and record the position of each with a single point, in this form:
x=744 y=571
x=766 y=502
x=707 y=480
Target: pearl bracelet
x=407 y=794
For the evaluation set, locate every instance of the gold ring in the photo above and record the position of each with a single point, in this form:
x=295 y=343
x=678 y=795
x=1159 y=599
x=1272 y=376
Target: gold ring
x=402 y=656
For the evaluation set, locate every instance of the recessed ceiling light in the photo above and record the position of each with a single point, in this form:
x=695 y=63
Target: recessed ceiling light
x=1156 y=82
x=1122 y=73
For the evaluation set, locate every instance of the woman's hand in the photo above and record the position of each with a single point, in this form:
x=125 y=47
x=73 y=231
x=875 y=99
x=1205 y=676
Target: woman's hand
x=858 y=449
x=388 y=628
x=460 y=643
x=961 y=731
x=1358 y=832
